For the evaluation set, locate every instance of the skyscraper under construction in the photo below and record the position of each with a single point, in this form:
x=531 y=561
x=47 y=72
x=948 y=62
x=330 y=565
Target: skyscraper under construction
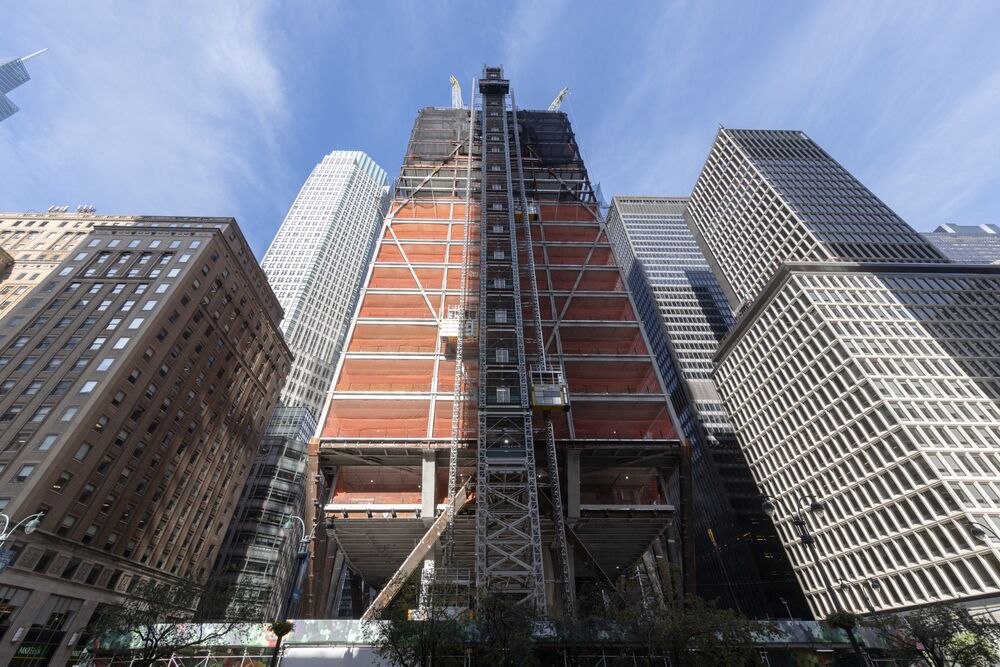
x=496 y=420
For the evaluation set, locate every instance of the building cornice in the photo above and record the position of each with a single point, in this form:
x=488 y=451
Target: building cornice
x=781 y=276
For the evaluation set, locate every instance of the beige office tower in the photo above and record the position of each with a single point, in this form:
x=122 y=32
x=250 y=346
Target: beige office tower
x=863 y=370
x=35 y=245
x=135 y=383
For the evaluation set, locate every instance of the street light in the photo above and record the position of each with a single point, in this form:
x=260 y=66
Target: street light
x=981 y=531
x=809 y=503
x=301 y=556
x=30 y=524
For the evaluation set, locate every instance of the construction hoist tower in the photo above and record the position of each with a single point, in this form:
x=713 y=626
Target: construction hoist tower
x=496 y=422
x=508 y=529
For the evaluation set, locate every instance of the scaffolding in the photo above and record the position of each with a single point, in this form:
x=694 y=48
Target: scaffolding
x=495 y=350
x=508 y=530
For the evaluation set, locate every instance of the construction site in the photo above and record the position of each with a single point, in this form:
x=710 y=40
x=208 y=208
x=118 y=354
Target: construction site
x=496 y=421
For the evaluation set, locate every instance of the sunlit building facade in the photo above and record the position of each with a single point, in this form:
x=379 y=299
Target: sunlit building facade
x=862 y=370
x=317 y=262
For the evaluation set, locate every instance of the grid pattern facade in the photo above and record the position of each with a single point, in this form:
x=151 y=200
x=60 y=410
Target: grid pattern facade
x=686 y=314
x=876 y=389
x=38 y=245
x=968 y=244
x=765 y=197
x=316 y=264
x=134 y=388
x=13 y=73
x=259 y=552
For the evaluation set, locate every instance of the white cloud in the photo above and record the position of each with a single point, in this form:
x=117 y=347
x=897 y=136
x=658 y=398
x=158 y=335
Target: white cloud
x=145 y=108
x=953 y=163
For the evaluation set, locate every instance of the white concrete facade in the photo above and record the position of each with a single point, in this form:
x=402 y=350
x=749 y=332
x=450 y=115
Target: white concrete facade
x=316 y=264
x=876 y=388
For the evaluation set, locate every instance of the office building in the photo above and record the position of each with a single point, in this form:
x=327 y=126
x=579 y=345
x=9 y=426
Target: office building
x=13 y=73
x=495 y=340
x=766 y=197
x=862 y=371
x=38 y=244
x=738 y=557
x=135 y=385
x=317 y=262
x=968 y=244
x=259 y=553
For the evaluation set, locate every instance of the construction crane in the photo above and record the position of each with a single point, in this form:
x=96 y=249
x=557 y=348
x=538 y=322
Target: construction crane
x=456 y=94
x=556 y=103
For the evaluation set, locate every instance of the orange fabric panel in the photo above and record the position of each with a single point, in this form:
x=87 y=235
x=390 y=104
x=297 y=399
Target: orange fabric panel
x=398 y=306
x=604 y=308
x=592 y=280
x=415 y=231
x=369 y=337
x=400 y=277
x=620 y=419
x=601 y=340
x=377 y=419
x=385 y=375
x=416 y=253
x=570 y=212
x=621 y=377
x=569 y=233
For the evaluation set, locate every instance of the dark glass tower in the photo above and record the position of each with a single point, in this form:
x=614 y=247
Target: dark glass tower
x=739 y=560
x=12 y=74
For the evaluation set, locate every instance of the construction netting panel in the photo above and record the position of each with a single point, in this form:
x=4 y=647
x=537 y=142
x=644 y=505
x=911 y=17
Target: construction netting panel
x=437 y=132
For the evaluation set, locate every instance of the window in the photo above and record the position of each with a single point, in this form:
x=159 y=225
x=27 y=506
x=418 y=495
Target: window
x=60 y=484
x=88 y=387
x=98 y=343
x=90 y=534
x=43 y=563
x=70 y=413
x=121 y=343
x=503 y=355
x=162 y=287
x=105 y=364
x=503 y=395
x=66 y=525
x=25 y=472
x=41 y=413
x=83 y=451
x=47 y=442
x=136 y=323
x=149 y=305
x=80 y=256
x=87 y=493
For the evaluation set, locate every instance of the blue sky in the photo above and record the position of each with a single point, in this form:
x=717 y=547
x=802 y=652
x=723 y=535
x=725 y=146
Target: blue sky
x=223 y=108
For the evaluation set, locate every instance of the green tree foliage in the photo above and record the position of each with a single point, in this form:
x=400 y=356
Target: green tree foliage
x=505 y=633
x=944 y=635
x=434 y=638
x=156 y=619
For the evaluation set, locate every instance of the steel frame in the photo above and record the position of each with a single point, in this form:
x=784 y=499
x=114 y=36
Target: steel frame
x=508 y=531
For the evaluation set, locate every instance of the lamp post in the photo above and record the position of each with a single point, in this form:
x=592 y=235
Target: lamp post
x=30 y=523
x=982 y=531
x=301 y=557
x=813 y=505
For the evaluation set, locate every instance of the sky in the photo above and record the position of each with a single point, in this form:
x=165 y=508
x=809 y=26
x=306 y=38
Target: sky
x=223 y=108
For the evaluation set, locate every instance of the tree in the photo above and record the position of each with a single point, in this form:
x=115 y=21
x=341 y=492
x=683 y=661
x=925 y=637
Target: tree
x=155 y=620
x=945 y=635
x=505 y=631
x=692 y=632
x=432 y=637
